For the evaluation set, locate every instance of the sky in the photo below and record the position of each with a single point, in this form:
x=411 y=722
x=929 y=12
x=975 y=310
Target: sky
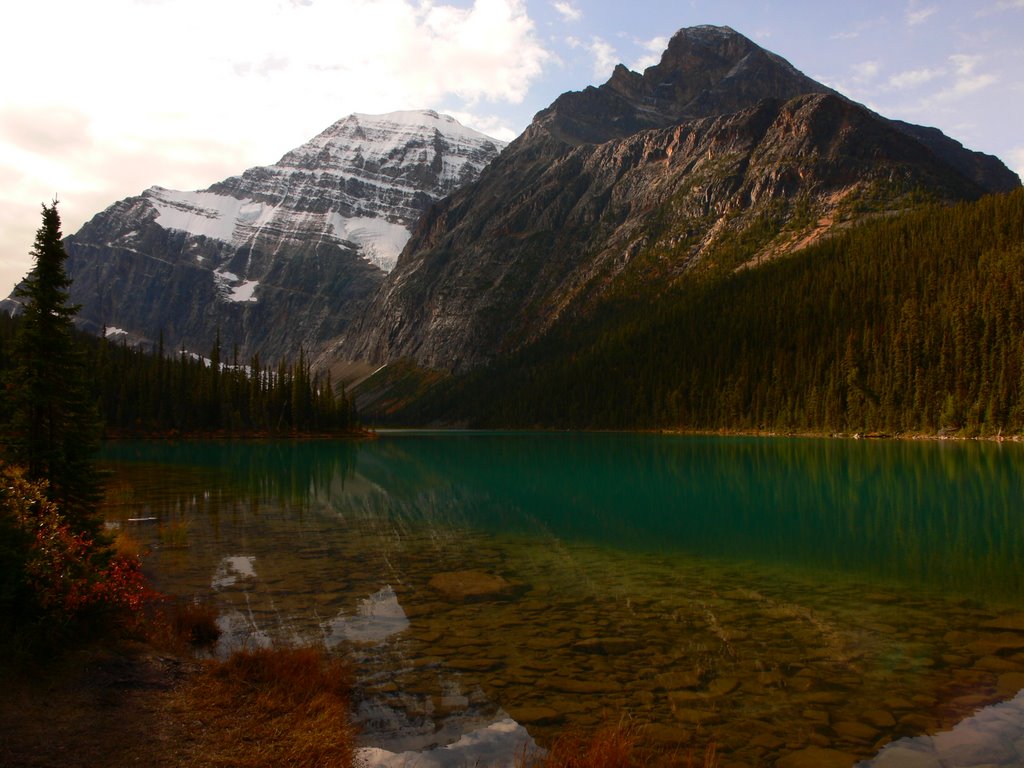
x=101 y=100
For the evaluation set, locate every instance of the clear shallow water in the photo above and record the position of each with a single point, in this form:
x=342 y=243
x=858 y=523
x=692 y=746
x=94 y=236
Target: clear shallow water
x=777 y=596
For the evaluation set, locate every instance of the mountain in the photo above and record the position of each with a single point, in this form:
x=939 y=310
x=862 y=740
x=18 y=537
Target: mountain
x=704 y=71
x=721 y=156
x=276 y=258
x=900 y=324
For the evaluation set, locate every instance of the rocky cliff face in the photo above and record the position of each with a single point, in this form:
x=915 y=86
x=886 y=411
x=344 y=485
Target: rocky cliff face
x=704 y=71
x=277 y=257
x=723 y=153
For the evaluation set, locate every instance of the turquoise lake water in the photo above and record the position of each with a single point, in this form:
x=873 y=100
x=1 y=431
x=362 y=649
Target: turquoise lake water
x=776 y=596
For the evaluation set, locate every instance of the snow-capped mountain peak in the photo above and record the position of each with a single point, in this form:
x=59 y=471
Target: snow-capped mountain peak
x=279 y=256
x=364 y=181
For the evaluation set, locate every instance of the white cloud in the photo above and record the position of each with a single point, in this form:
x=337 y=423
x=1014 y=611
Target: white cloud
x=949 y=91
x=1016 y=158
x=968 y=80
x=914 y=78
x=968 y=85
x=653 y=49
x=568 y=11
x=916 y=16
x=964 y=64
x=38 y=130
x=860 y=28
x=866 y=70
x=605 y=57
x=492 y=125
x=999 y=7
x=184 y=93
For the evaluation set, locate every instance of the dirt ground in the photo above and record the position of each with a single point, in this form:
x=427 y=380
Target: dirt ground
x=98 y=708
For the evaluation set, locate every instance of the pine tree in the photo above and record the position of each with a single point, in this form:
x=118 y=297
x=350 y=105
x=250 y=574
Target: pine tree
x=53 y=427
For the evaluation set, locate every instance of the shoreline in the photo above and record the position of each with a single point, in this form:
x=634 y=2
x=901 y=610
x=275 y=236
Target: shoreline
x=379 y=430
x=247 y=435
x=873 y=435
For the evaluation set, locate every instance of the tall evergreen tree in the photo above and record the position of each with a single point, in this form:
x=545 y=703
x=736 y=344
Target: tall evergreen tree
x=53 y=428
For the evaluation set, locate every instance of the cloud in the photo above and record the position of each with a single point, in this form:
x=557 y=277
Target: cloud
x=865 y=70
x=605 y=57
x=1016 y=158
x=948 y=88
x=277 y=71
x=967 y=79
x=567 y=11
x=914 y=78
x=45 y=129
x=916 y=16
x=183 y=93
x=266 y=67
x=965 y=64
x=492 y=125
x=860 y=28
x=960 y=78
x=999 y=7
x=653 y=48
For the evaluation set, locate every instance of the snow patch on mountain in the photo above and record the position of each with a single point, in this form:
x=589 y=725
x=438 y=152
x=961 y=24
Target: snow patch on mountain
x=380 y=240
x=362 y=184
x=205 y=214
x=244 y=291
x=233 y=288
x=234 y=221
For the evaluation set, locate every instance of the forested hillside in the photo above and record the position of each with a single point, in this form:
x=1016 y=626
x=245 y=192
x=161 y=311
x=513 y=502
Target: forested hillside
x=906 y=324
x=144 y=393
x=139 y=392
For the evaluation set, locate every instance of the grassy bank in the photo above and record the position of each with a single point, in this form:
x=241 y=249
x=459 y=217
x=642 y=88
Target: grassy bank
x=125 y=702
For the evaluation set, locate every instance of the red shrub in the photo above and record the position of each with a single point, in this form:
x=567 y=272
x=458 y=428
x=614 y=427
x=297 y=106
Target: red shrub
x=67 y=573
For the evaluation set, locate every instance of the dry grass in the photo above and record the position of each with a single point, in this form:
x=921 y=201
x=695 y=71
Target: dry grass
x=614 y=745
x=611 y=746
x=285 y=706
x=130 y=705
x=271 y=707
x=179 y=626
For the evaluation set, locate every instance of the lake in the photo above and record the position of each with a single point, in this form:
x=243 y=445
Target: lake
x=796 y=601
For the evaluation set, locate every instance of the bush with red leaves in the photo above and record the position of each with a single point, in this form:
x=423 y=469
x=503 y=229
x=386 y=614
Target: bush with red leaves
x=50 y=572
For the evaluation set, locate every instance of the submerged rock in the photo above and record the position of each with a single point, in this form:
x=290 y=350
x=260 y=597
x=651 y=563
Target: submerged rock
x=537 y=715
x=468 y=585
x=1013 y=622
x=680 y=679
x=605 y=645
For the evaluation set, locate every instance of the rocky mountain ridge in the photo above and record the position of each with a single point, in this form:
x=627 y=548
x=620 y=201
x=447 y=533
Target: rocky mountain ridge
x=277 y=257
x=720 y=155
